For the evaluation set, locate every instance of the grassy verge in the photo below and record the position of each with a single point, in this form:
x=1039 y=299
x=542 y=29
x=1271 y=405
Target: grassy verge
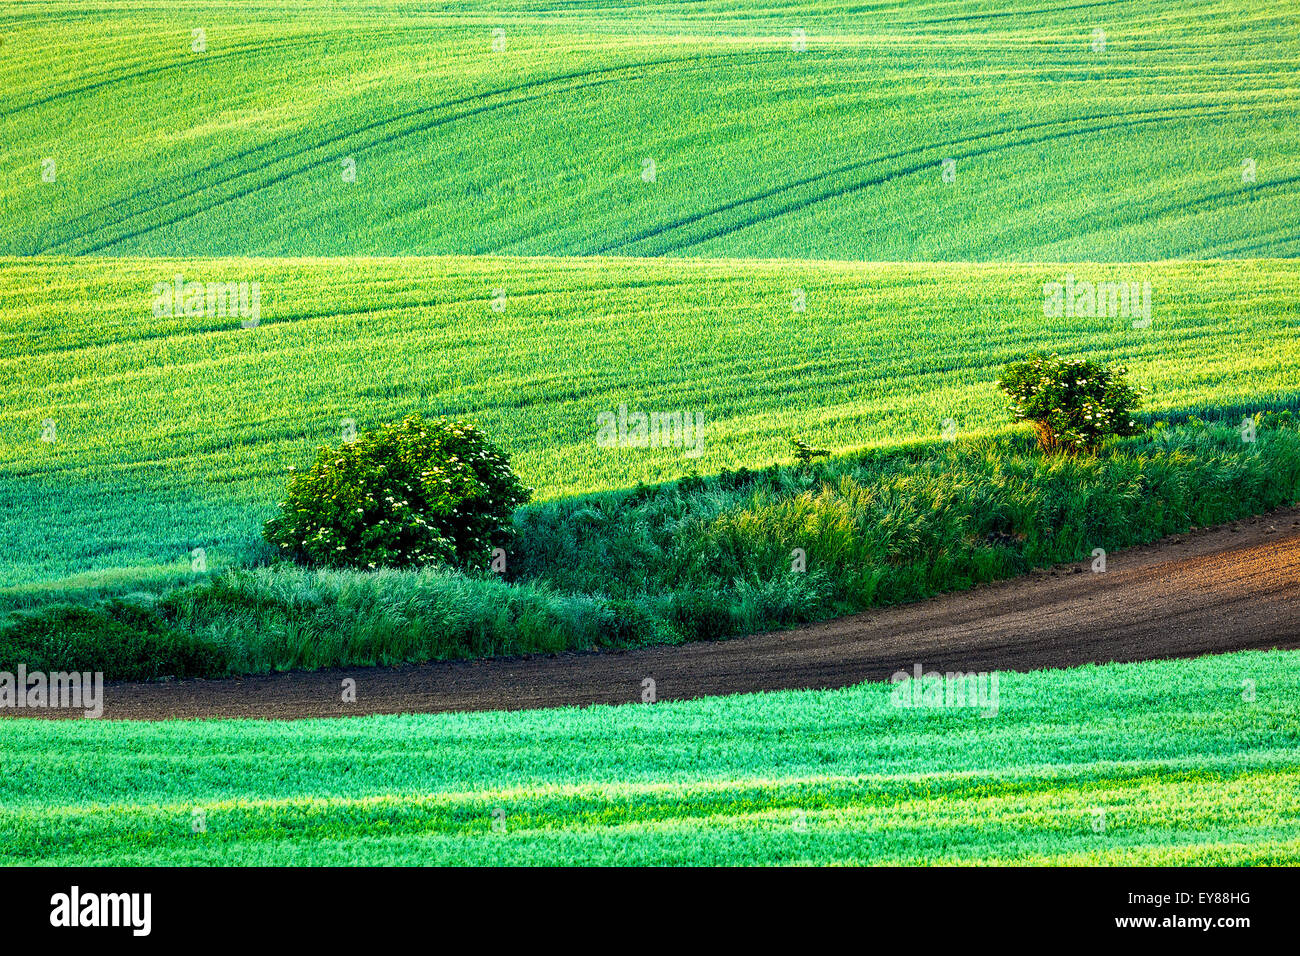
x=1164 y=762
x=698 y=559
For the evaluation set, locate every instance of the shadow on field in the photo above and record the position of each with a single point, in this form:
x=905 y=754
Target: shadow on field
x=1220 y=414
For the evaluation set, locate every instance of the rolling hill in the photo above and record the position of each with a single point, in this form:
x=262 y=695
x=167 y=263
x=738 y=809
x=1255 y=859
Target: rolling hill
x=718 y=129
x=128 y=438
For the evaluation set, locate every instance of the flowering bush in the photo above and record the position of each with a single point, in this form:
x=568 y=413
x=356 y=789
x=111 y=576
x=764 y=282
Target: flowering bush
x=407 y=495
x=1073 y=404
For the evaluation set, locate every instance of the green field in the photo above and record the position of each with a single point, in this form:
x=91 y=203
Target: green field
x=519 y=170
x=1132 y=150
x=828 y=221
x=1183 y=768
x=174 y=433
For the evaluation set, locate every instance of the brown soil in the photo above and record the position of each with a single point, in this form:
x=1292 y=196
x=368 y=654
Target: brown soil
x=1215 y=590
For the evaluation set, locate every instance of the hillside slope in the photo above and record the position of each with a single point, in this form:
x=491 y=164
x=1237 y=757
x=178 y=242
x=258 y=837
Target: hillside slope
x=171 y=431
x=1067 y=143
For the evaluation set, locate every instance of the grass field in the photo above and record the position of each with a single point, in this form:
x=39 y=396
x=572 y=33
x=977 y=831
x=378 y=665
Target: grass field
x=820 y=220
x=174 y=433
x=1173 y=762
x=1067 y=145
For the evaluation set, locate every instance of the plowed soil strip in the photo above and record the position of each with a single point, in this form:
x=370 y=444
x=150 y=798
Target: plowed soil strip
x=1224 y=589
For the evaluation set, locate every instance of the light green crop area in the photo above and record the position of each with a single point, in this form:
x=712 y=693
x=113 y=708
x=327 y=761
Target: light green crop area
x=792 y=130
x=1172 y=762
x=172 y=433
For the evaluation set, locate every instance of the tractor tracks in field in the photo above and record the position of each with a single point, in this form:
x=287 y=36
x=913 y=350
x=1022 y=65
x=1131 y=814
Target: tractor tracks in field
x=106 y=78
x=481 y=101
x=958 y=152
x=302 y=157
x=1234 y=587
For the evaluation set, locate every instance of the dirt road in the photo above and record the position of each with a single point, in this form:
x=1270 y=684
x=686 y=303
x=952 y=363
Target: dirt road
x=1215 y=590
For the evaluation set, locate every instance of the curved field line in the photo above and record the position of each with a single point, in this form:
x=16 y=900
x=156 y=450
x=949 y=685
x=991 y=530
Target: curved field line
x=405 y=305
x=1032 y=12
x=919 y=167
x=113 y=74
x=196 y=60
x=340 y=137
x=40 y=54
x=1247 y=192
x=320 y=144
x=155 y=184
x=312 y=164
x=1244 y=245
x=659 y=230
x=118 y=70
x=910 y=170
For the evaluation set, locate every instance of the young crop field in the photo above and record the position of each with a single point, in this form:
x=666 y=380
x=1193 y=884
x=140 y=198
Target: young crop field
x=795 y=130
x=763 y=343
x=128 y=440
x=1171 y=762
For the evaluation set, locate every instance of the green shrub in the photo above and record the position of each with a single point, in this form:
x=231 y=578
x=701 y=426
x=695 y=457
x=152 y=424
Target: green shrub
x=1073 y=404
x=804 y=453
x=414 y=494
x=119 y=638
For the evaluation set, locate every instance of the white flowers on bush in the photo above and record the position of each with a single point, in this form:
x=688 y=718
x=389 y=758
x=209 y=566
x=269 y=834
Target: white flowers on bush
x=405 y=494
